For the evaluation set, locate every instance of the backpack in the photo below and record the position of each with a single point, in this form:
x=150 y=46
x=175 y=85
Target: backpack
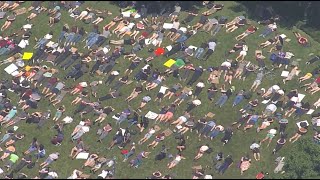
x=210 y=150
x=247 y=95
x=31 y=165
x=273 y=57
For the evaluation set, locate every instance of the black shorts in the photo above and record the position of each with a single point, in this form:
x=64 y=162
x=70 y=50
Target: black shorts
x=173 y=90
x=55 y=91
x=55 y=20
x=160 y=95
x=256 y=150
x=173 y=30
x=133 y=66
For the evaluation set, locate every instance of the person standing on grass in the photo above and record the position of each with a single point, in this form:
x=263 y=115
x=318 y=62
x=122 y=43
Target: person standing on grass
x=280 y=143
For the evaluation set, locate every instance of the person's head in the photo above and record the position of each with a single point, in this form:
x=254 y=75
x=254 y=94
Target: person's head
x=51 y=33
x=34 y=139
x=176 y=20
x=41 y=146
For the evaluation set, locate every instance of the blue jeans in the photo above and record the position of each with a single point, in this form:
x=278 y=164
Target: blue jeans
x=70 y=37
x=237 y=100
x=90 y=36
x=216 y=29
x=61 y=36
x=76 y=38
x=198 y=53
x=223 y=99
x=266 y=32
x=130 y=153
x=92 y=41
x=181 y=39
x=247 y=107
x=4 y=50
x=122 y=118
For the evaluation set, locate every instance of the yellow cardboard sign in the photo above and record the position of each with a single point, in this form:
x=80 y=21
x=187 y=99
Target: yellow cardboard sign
x=169 y=63
x=27 y=55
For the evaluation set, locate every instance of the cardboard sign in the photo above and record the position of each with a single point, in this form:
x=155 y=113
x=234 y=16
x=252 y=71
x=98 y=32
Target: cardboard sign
x=169 y=63
x=27 y=55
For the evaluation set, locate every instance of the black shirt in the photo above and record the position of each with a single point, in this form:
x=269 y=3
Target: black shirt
x=107 y=110
x=204 y=45
x=203 y=19
x=222 y=20
x=128 y=41
x=228 y=161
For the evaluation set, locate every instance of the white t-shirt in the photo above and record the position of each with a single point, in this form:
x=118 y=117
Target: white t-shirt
x=104 y=174
x=152 y=131
x=272 y=107
x=275 y=87
x=204 y=148
x=288 y=55
x=116 y=73
x=273 y=131
x=208 y=176
x=196 y=102
x=226 y=64
x=176 y=25
x=145 y=67
x=163 y=89
x=131 y=25
x=212 y=45
x=23 y=43
x=178 y=158
x=200 y=84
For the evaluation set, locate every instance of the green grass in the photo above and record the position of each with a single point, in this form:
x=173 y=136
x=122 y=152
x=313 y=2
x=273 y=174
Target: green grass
x=239 y=144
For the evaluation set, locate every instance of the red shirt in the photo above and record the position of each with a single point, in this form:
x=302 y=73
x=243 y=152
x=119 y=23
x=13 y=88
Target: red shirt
x=53 y=80
x=318 y=80
x=251 y=29
x=260 y=176
x=302 y=40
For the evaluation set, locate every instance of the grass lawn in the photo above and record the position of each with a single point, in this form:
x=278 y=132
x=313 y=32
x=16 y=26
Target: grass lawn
x=239 y=144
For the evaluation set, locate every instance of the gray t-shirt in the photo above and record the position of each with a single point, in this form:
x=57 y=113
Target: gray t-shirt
x=213 y=21
x=177 y=9
x=60 y=85
x=259 y=76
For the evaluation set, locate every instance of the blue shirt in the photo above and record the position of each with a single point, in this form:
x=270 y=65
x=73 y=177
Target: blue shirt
x=211 y=123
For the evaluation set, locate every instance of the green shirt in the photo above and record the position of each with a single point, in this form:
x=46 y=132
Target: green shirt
x=179 y=63
x=14 y=158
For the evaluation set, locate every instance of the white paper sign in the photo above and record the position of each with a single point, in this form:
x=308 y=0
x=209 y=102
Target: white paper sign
x=310 y=111
x=167 y=25
x=300 y=97
x=11 y=68
x=285 y=73
x=82 y=155
x=151 y=115
x=298 y=123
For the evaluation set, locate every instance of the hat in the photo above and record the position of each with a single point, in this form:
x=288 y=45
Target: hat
x=14 y=107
